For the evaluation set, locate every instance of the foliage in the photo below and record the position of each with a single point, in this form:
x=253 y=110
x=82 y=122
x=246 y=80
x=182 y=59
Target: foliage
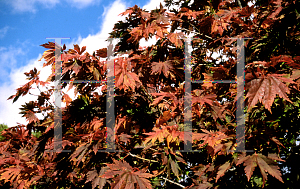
x=149 y=101
x=2 y=127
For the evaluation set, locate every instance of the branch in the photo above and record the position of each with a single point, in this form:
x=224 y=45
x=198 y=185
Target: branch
x=240 y=4
x=148 y=95
x=172 y=182
x=133 y=155
x=196 y=32
x=201 y=33
x=143 y=158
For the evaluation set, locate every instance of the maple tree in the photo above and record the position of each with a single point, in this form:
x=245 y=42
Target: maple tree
x=149 y=104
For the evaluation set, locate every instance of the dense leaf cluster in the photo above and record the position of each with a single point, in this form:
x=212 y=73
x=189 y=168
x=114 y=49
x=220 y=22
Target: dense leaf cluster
x=149 y=104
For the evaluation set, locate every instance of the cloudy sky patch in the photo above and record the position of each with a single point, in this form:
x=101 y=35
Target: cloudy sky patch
x=85 y=22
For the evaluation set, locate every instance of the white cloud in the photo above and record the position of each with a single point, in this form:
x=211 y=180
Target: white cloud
x=30 y=5
x=111 y=12
x=3 y=31
x=97 y=41
x=82 y=3
x=9 y=111
x=104 y=12
x=8 y=59
x=153 y=4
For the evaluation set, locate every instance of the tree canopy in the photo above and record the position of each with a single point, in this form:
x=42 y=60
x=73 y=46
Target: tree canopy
x=149 y=104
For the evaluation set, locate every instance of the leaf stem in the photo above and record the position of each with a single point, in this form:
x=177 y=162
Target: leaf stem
x=133 y=155
x=172 y=182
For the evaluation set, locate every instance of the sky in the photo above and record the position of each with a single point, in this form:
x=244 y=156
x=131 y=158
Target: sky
x=25 y=25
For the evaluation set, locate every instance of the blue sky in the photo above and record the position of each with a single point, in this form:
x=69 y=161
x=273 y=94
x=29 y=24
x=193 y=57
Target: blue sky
x=25 y=25
x=24 y=28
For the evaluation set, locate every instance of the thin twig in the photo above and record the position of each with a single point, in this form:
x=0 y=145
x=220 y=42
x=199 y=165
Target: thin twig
x=200 y=32
x=191 y=31
x=172 y=182
x=142 y=158
x=133 y=155
x=167 y=101
x=196 y=33
x=240 y=4
x=148 y=95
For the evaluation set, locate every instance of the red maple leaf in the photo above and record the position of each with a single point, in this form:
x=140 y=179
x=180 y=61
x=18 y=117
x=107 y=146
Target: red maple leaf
x=10 y=174
x=176 y=38
x=265 y=165
x=127 y=177
x=222 y=169
x=31 y=117
x=212 y=138
x=48 y=55
x=165 y=67
x=170 y=133
x=95 y=178
x=102 y=52
x=124 y=78
x=265 y=89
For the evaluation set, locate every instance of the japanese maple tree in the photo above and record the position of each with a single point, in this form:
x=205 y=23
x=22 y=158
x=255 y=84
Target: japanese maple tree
x=149 y=104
